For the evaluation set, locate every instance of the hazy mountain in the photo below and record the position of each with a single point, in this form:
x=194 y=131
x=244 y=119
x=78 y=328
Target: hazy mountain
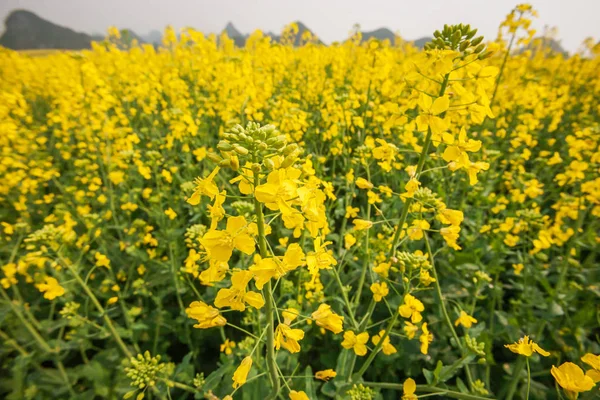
x=421 y=42
x=153 y=37
x=25 y=30
x=238 y=38
x=381 y=34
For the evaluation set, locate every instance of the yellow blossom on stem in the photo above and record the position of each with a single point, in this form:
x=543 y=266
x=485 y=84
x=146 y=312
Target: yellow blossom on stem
x=241 y=373
x=430 y=109
x=408 y=389
x=386 y=347
x=362 y=183
x=294 y=395
x=204 y=187
x=356 y=342
x=236 y=296
x=326 y=318
x=380 y=290
x=288 y=338
x=425 y=338
x=325 y=375
x=220 y=244
x=526 y=347
x=465 y=320
x=207 y=316
x=411 y=308
x=415 y=232
x=51 y=288
x=361 y=224
x=572 y=379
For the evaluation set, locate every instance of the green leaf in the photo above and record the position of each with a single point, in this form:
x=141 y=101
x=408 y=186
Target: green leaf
x=309 y=385
x=213 y=380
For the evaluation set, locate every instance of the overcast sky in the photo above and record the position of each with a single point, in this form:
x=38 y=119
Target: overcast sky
x=330 y=19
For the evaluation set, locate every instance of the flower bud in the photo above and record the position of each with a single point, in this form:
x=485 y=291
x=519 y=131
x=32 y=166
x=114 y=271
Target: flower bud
x=479 y=48
x=486 y=54
x=464 y=45
x=269 y=163
x=288 y=161
x=477 y=40
x=240 y=149
x=224 y=146
x=289 y=149
x=214 y=157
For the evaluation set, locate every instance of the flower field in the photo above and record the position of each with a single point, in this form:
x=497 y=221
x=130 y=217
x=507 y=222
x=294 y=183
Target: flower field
x=365 y=220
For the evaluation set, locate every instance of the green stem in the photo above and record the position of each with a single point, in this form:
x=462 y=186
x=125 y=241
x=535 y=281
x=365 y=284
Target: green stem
x=345 y=296
x=528 y=377
x=512 y=40
x=99 y=307
x=427 y=389
x=420 y=164
x=447 y=319
x=262 y=245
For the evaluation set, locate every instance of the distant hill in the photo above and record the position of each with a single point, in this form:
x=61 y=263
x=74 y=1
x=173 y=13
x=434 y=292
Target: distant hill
x=421 y=42
x=240 y=39
x=26 y=31
x=381 y=34
x=152 y=37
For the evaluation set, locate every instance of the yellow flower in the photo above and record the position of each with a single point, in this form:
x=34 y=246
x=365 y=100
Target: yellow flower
x=288 y=338
x=415 y=232
x=594 y=362
x=266 y=268
x=241 y=373
x=380 y=290
x=170 y=213
x=328 y=319
x=518 y=268
x=387 y=347
x=290 y=315
x=112 y=300
x=425 y=338
x=361 y=224
x=349 y=241
x=51 y=288
x=362 y=183
x=356 y=342
x=465 y=320
x=526 y=347
x=101 y=260
x=326 y=374
x=280 y=190
x=207 y=316
x=351 y=212
x=227 y=346
x=294 y=395
x=410 y=330
x=411 y=187
x=320 y=258
x=408 y=389
x=411 y=308
x=204 y=187
x=572 y=379
x=236 y=296
x=220 y=244
x=456 y=150
x=430 y=109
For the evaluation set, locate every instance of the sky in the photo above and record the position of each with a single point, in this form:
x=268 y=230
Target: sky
x=331 y=20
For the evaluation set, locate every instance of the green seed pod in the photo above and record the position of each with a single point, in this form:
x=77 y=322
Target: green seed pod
x=214 y=157
x=477 y=40
x=224 y=146
x=479 y=48
x=288 y=161
x=269 y=164
x=240 y=149
x=290 y=148
x=486 y=54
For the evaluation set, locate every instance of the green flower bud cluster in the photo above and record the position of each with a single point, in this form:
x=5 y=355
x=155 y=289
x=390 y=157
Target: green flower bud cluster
x=255 y=143
x=361 y=392
x=144 y=369
x=412 y=261
x=479 y=387
x=426 y=197
x=193 y=235
x=199 y=381
x=243 y=207
x=532 y=217
x=246 y=345
x=477 y=348
x=69 y=310
x=459 y=38
x=49 y=234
